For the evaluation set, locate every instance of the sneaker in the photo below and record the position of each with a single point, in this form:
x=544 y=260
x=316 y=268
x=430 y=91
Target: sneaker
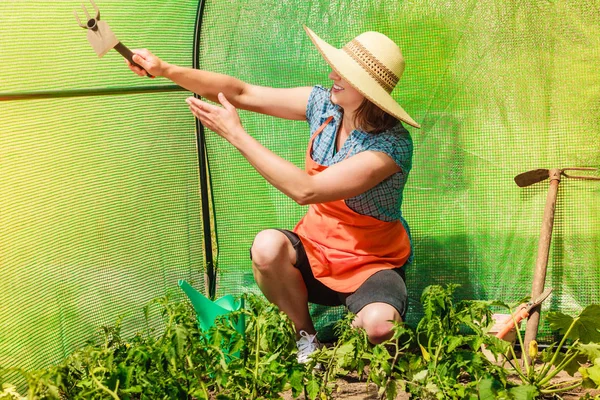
x=307 y=344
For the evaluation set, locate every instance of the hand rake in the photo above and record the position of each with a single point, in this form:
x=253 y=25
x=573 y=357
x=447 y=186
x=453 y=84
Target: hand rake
x=102 y=38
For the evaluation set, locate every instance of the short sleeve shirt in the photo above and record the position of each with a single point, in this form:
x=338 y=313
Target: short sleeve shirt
x=384 y=201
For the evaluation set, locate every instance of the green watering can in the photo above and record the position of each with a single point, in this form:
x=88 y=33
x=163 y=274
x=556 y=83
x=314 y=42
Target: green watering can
x=207 y=310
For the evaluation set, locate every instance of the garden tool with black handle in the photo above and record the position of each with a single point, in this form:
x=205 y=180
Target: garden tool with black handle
x=539 y=275
x=102 y=38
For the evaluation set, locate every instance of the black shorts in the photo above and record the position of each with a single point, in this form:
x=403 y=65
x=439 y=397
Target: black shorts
x=386 y=286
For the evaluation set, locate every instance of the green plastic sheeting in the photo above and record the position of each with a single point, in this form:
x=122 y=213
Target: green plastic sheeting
x=99 y=195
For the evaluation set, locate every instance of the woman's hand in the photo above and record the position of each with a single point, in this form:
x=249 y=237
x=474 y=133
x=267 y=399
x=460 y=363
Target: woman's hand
x=151 y=63
x=223 y=120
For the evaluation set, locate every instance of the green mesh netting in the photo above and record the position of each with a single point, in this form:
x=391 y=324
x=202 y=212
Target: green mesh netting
x=100 y=206
x=99 y=196
x=500 y=88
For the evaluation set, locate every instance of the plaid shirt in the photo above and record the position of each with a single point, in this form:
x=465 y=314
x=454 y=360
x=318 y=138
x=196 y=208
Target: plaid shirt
x=384 y=200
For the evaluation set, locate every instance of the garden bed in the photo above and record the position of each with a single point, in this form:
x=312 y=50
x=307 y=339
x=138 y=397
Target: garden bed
x=352 y=388
x=439 y=359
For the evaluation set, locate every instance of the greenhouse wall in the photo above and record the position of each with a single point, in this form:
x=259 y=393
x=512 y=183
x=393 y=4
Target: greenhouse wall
x=101 y=200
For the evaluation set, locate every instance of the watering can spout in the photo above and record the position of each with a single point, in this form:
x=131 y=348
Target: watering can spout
x=207 y=310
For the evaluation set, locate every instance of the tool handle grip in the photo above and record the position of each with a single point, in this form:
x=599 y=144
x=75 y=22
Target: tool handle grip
x=523 y=313
x=128 y=54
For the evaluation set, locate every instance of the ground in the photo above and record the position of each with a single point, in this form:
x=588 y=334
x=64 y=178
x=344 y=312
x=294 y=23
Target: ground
x=350 y=388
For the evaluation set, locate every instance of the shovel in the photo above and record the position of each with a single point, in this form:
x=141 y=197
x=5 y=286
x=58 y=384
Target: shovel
x=102 y=38
x=539 y=275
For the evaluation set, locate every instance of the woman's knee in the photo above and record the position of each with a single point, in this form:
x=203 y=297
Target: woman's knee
x=379 y=331
x=376 y=319
x=270 y=248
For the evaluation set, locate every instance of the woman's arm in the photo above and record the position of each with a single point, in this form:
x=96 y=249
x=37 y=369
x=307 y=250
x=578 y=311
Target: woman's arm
x=282 y=103
x=346 y=179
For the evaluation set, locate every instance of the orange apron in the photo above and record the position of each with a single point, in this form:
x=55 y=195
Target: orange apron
x=345 y=248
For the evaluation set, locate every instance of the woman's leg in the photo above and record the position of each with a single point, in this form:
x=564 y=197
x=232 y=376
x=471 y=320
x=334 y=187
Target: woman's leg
x=380 y=299
x=273 y=259
x=375 y=319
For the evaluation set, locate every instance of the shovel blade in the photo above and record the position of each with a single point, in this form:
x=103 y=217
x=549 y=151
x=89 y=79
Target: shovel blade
x=530 y=177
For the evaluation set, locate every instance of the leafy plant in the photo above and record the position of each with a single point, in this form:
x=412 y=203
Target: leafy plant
x=267 y=365
x=391 y=361
x=180 y=362
x=581 y=354
x=450 y=337
x=350 y=353
x=9 y=392
x=441 y=359
x=575 y=352
x=149 y=366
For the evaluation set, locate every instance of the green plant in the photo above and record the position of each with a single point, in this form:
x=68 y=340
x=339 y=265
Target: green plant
x=179 y=362
x=267 y=364
x=150 y=365
x=389 y=362
x=450 y=337
x=441 y=359
x=350 y=353
x=581 y=336
x=576 y=352
x=9 y=392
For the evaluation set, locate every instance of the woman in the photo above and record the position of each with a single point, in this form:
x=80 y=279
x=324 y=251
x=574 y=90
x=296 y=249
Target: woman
x=351 y=245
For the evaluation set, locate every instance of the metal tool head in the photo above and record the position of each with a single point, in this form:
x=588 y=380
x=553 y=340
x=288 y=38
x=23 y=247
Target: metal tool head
x=540 y=299
x=99 y=33
x=530 y=177
x=537 y=175
x=92 y=23
x=583 y=177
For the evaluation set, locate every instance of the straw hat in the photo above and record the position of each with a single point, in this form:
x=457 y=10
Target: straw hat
x=372 y=63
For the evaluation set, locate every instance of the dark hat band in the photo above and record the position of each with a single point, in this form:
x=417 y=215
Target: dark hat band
x=382 y=74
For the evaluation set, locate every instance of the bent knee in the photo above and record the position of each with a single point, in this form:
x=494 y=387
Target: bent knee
x=379 y=332
x=270 y=247
x=376 y=319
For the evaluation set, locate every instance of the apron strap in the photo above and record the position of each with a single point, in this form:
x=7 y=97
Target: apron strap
x=320 y=129
x=312 y=138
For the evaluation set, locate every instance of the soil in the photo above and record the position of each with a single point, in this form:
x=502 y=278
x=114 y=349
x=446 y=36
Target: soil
x=351 y=388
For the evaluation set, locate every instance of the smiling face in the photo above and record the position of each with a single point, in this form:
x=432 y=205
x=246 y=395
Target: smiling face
x=344 y=95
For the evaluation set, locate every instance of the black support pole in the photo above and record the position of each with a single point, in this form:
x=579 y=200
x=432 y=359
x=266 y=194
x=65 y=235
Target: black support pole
x=211 y=270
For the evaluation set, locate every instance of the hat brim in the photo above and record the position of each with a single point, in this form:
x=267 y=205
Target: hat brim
x=359 y=78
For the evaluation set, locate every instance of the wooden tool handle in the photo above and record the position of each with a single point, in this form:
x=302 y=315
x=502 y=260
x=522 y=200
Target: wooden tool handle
x=539 y=274
x=128 y=54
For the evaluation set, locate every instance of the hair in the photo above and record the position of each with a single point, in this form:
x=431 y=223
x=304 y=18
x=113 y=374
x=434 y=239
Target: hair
x=372 y=119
